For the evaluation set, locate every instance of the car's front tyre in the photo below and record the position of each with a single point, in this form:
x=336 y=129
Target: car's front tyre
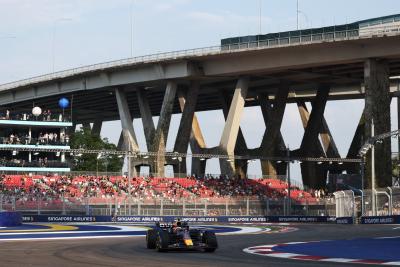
x=210 y=239
x=151 y=239
x=162 y=241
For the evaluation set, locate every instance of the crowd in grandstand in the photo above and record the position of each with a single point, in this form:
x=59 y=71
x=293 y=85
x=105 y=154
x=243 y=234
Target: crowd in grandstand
x=146 y=188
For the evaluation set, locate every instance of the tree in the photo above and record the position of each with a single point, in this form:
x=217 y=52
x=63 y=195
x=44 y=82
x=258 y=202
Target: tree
x=84 y=139
x=395 y=166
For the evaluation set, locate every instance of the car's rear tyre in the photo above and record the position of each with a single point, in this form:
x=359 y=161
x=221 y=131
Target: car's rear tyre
x=151 y=239
x=162 y=241
x=210 y=239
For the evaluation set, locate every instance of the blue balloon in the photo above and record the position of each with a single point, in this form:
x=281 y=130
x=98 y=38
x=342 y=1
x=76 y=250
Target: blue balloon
x=63 y=103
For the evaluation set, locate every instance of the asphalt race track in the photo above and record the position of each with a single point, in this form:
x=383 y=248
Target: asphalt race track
x=131 y=251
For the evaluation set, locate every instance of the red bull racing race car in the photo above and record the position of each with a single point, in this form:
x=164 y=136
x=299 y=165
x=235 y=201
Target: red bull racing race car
x=178 y=236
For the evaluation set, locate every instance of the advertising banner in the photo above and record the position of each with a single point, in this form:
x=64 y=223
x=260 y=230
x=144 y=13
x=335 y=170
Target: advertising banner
x=65 y=218
x=192 y=219
x=345 y=220
x=381 y=219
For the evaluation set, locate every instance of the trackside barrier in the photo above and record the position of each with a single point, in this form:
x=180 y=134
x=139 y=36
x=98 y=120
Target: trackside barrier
x=395 y=219
x=147 y=219
x=345 y=220
x=10 y=218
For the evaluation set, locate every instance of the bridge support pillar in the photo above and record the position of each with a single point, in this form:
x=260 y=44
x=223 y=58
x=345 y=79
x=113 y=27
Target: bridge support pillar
x=71 y=130
x=232 y=125
x=161 y=134
x=147 y=118
x=147 y=121
x=197 y=145
x=240 y=144
x=128 y=132
x=187 y=103
x=120 y=144
x=314 y=175
x=355 y=146
x=377 y=108
x=86 y=126
x=96 y=129
x=272 y=143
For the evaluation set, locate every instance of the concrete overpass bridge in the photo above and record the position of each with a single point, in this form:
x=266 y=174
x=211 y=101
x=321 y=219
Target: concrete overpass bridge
x=317 y=70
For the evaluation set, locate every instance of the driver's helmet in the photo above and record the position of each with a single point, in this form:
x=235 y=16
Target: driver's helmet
x=177 y=223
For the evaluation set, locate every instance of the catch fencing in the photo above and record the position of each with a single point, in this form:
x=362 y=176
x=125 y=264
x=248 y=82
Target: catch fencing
x=131 y=206
x=385 y=202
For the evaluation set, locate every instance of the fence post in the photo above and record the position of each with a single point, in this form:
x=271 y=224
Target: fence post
x=247 y=207
x=63 y=204
x=226 y=208
x=1 y=201
x=205 y=208
x=13 y=203
x=139 y=208
x=87 y=206
x=267 y=202
x=130 y=206
x=162 y=207
x=115 y=206
x=390 y=201
x=38 y=204
x=183 y=207
x=284 y=206
x=110 y=209
x=326 y=207
x=353 y=203
x=306 y=207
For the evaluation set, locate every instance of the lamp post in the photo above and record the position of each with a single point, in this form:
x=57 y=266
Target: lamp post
x=298 y=18
x=97 y=164
x=370 y=145
x=297 y=14
x=289 y=180
x=373 y=170
x=129 y=174
x=260 y=16
x=362 y=170
x=131 y=33
x=179 y=166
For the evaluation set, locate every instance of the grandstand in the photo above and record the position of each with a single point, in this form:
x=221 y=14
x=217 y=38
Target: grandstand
x=26 y=139
x=55 y=193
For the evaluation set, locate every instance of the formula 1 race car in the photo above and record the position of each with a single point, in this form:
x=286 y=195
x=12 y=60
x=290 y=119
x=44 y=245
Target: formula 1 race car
x=178 y=236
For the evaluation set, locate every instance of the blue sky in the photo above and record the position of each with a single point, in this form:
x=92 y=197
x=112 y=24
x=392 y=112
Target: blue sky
x=93 y=31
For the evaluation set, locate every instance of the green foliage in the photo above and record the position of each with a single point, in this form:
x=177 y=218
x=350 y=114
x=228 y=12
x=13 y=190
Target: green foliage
x=395 y=167
x=88 y=162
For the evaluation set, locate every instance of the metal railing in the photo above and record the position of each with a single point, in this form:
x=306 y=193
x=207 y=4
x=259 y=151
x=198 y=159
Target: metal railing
x=34 y=163
x=125 y=205
x=349 y=204
x=41 y=118
x=212 y=50
x=26 y=140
